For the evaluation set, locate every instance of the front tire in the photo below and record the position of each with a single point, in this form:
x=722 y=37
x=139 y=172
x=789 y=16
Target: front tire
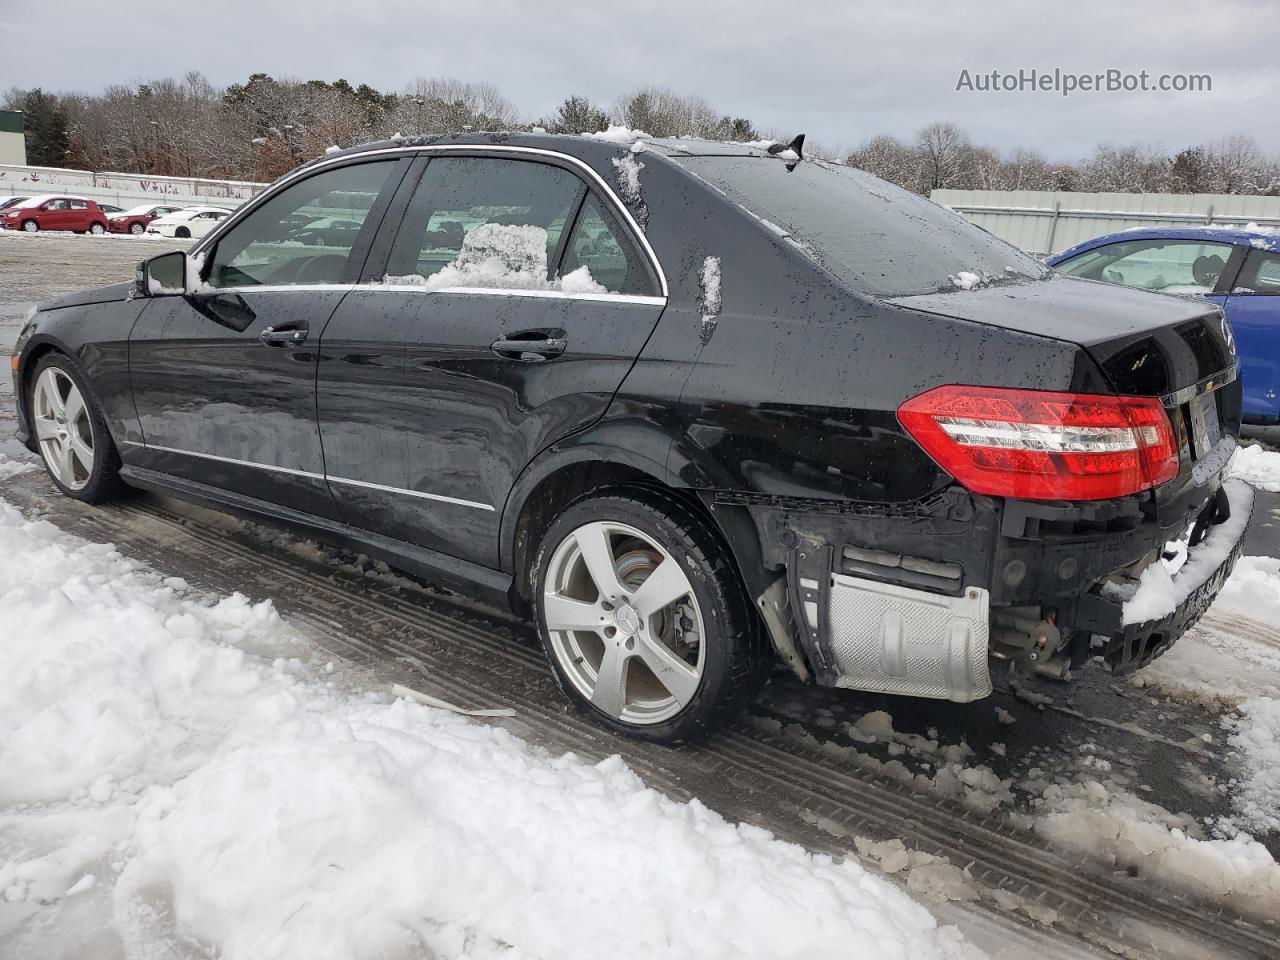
x=644 y=620
x=30 y=226
x=136 y=229
x=74 y=442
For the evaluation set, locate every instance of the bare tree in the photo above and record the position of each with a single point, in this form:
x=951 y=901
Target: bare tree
x=945 y=157
x=889 y=159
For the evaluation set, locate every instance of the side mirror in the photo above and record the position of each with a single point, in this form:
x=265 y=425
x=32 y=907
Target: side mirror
x=162 y=276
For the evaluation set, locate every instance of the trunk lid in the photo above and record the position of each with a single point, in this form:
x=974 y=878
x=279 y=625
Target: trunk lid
x=1146 y=344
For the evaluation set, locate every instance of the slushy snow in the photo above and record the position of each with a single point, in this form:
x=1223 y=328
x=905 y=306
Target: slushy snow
x=181 y=775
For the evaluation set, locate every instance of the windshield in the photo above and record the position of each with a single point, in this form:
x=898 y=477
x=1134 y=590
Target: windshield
x=35 y=201
x=138 y=211
x=878 y=238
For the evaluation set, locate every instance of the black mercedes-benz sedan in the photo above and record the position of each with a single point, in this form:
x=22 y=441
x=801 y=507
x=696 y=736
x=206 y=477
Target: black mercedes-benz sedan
x=693 y=407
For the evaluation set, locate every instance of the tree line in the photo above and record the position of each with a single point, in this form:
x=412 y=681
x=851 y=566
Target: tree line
x=263 y=127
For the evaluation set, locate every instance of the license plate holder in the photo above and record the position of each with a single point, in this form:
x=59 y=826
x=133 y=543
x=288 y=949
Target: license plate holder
x=1205 y=430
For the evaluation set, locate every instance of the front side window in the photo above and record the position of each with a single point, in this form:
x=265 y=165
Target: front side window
x=484 y=222
x=265 y=247
x=58 y=205
x=1169 y=266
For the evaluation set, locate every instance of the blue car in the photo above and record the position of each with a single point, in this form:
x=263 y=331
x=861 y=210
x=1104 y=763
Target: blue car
x=1239 y=269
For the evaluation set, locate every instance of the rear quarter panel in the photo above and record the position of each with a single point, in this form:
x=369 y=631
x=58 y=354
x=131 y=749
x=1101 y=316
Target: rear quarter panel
x=792 y=390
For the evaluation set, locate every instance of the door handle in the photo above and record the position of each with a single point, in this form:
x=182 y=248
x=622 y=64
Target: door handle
x=283 y=335
x=531 y=350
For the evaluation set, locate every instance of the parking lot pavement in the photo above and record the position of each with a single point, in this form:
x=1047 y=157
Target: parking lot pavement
x=41 y=265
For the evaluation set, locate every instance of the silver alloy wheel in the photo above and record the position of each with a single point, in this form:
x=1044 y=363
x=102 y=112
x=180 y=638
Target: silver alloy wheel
x=624 y=623
x=63 y=428
x=97 y=228
x=31 y=226
x=136 y=228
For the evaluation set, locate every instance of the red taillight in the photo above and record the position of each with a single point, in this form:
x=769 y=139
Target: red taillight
x=1037 y=445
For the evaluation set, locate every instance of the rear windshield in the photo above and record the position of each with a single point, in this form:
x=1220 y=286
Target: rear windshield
x=876 y=237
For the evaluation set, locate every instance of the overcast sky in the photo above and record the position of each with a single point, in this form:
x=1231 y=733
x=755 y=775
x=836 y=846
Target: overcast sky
x=838 y=71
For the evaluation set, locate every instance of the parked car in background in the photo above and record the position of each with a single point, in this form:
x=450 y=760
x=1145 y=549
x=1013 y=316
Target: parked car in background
x=188 y=222
x=135 y=219
x=327 y=232
x=8 y=201
x=681 y=414
x=53 y=212
x=1238 y=269
x=109 y=208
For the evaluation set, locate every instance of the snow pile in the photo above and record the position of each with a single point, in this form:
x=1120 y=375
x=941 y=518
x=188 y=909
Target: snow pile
x=1256 y=735
x=1158 y=593
x=618 y=133
x=164 y=786
x=968 y=280
x=1130 y=833
x=1257 y=466
x=504 y=257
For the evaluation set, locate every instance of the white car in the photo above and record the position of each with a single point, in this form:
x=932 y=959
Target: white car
x=191 y=222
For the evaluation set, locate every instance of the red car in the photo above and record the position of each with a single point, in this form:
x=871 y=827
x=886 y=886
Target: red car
x=52 y=212
x=135 y=219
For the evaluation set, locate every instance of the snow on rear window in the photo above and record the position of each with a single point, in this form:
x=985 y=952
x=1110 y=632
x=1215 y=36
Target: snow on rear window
x=505 y=257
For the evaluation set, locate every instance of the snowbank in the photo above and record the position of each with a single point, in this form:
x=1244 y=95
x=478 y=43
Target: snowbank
x=1258 y=466
x=1110 y=823
x=178 y=771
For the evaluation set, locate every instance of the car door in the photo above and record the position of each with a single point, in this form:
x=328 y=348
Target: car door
x=56 y=215
x=81 y=216
x=1253 y=307
x=224 y=379
x=500 y=356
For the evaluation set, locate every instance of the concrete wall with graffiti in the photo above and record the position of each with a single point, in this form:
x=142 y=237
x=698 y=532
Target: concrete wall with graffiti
x=124 y=189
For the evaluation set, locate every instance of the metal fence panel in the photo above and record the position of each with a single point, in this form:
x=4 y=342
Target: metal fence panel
x=1042 y=222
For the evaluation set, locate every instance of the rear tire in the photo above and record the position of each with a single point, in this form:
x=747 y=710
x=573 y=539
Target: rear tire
x=182 y=233
x=75 y=445
x=97 y=228
x=661 y=673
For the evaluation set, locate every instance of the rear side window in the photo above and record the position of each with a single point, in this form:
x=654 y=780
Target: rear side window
x=1261 y=274
x=878 y=238
x=302 y=234
x=484 y=222
x=600 y=244
x=1169 y=266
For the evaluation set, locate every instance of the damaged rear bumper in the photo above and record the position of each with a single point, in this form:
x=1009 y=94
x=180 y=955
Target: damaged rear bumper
x=918 y=603
x=1134 y=640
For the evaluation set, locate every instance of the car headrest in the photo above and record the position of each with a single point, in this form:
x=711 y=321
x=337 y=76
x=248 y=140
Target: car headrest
x=1207 y=269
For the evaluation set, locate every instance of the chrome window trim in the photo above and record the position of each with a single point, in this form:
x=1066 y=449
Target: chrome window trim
x=414 y=288
x=438 y=497
x=581 y=165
